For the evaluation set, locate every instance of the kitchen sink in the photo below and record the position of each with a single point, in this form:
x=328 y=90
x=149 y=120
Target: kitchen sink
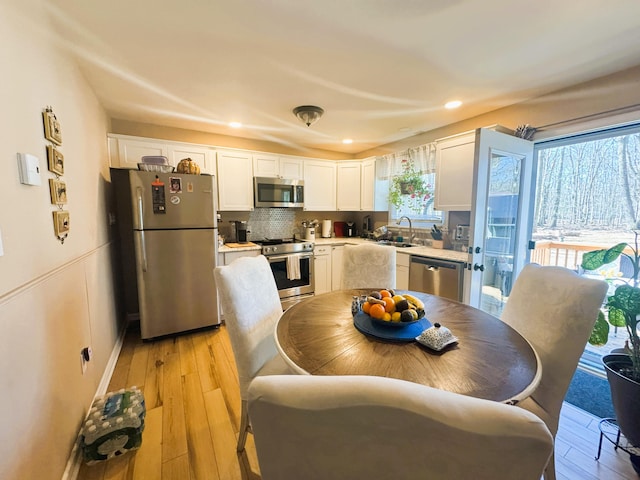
x=395 y=244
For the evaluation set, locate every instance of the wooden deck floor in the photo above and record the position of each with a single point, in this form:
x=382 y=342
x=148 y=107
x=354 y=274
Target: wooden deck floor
x=193 y=406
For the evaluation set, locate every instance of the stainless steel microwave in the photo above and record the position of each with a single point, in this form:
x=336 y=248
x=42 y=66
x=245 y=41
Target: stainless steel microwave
x=278 y=192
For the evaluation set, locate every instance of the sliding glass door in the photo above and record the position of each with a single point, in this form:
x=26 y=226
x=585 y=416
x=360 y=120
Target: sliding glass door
x=588 y=197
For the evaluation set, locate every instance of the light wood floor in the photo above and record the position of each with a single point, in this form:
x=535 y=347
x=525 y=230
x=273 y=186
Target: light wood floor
x=193 y=406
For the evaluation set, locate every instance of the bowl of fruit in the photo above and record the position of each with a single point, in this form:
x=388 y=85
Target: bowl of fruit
x=387 y=308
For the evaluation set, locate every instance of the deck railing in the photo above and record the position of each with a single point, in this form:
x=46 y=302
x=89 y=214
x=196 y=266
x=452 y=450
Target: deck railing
x=563 y=254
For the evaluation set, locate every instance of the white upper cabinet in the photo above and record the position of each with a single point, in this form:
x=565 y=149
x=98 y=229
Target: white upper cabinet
x=381 y=191
x=368 y=185
x=203 y=156
x=349 y=185
x=454 y=172
x=356 y=185
x=267 y=165
x=127 y=153
x=235 y=180
x=319 y=185
x=291 y=167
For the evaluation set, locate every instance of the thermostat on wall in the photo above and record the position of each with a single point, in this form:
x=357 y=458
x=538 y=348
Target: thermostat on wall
x=29 y=167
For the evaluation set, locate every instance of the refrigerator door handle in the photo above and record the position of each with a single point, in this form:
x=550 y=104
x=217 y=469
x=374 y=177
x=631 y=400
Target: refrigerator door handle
x=138 y=222
x=142 y=254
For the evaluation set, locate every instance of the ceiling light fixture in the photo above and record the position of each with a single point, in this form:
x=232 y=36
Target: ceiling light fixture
x=347 y=141
x=308 y=114
x=235 y=124
x=453 y=104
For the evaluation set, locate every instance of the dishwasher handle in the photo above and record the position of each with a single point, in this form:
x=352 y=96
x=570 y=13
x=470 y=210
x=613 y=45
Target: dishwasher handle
x=434 y=265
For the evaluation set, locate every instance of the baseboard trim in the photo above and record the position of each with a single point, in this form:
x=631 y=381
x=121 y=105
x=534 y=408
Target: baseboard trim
x=75 y=458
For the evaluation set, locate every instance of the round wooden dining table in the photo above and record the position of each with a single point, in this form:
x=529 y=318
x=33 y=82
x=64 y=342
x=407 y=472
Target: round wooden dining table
x=491 y=360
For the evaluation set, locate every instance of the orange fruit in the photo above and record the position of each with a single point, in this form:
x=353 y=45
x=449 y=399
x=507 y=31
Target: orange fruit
x=377 y=311
x=365 y=307
x=385 y=293
x=390 y=304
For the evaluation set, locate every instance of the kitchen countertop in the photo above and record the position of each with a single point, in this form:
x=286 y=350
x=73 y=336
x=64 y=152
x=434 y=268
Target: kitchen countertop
x=225 y=249
x=420 y=250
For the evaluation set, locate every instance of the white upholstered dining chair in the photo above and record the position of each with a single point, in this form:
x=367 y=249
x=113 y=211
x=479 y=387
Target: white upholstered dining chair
x=554 y=309
x=366 y=427
x=251 y=305
x=368 y=265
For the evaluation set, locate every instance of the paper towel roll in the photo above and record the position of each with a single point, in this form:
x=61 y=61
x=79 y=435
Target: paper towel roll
x=326 y=228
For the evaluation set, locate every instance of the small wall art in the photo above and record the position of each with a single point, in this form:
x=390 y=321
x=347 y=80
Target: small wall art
x=61 y=224
x=55 y=160
x=52 y=130
x=58 y=190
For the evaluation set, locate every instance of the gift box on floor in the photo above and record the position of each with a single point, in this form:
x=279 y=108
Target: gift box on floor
x=114 y=425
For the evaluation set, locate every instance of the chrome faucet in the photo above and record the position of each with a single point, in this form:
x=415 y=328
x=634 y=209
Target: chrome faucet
x=410 y=227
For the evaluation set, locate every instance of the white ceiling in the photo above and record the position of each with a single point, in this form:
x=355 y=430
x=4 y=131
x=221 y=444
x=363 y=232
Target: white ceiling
x=381 y=69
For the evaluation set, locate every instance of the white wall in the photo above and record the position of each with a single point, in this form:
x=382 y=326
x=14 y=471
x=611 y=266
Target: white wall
x=54 y=298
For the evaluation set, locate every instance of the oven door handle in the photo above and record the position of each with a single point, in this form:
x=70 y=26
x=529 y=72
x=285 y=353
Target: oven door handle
x=277 y=258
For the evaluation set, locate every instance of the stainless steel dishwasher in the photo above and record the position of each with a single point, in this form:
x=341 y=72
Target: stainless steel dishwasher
x=437 y=277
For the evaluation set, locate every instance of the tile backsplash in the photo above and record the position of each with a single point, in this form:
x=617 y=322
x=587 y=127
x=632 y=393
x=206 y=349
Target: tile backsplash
x=287 y=222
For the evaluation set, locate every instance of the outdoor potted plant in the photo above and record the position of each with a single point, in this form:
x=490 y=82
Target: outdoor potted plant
x=622 y=367
x=409 y=189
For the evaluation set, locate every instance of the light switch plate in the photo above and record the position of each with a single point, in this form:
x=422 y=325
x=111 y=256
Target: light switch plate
x=29 y=167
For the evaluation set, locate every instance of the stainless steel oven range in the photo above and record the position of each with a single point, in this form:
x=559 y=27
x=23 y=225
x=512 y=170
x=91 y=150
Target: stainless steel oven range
x=292 y=266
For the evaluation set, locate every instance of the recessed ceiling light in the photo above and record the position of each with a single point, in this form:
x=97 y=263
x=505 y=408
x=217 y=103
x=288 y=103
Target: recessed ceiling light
x=453 y=104
x=347 y=141
x=235 y=124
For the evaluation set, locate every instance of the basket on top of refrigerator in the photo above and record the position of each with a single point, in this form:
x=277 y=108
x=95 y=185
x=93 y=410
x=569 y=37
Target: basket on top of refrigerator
x=155 y=163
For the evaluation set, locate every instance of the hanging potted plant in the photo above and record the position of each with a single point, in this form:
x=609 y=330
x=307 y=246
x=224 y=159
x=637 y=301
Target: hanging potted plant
x=409 y=189
x=623 y=368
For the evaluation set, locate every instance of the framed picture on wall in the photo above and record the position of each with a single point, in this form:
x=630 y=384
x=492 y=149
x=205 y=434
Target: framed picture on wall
x=55 y=160
x=58 y=190
x=52 y=130
x=61 y=223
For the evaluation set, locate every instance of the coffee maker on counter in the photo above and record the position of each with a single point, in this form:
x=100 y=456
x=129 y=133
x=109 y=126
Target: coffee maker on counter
x=351 y=229
x=240 y=227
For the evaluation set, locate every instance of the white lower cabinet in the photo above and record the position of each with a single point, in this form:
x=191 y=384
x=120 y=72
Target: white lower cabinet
x=228 y=257
x=322 y=269
x=336 y=266
x=225 y=259
x=402 y=271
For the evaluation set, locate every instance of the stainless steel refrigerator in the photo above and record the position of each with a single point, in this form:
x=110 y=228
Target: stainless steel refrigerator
x=169 y=247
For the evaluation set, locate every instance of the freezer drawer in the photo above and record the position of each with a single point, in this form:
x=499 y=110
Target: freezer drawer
x=176 y=289
x=437 y=277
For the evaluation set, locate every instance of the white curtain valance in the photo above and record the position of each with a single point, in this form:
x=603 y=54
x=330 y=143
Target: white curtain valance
x=423 y=157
